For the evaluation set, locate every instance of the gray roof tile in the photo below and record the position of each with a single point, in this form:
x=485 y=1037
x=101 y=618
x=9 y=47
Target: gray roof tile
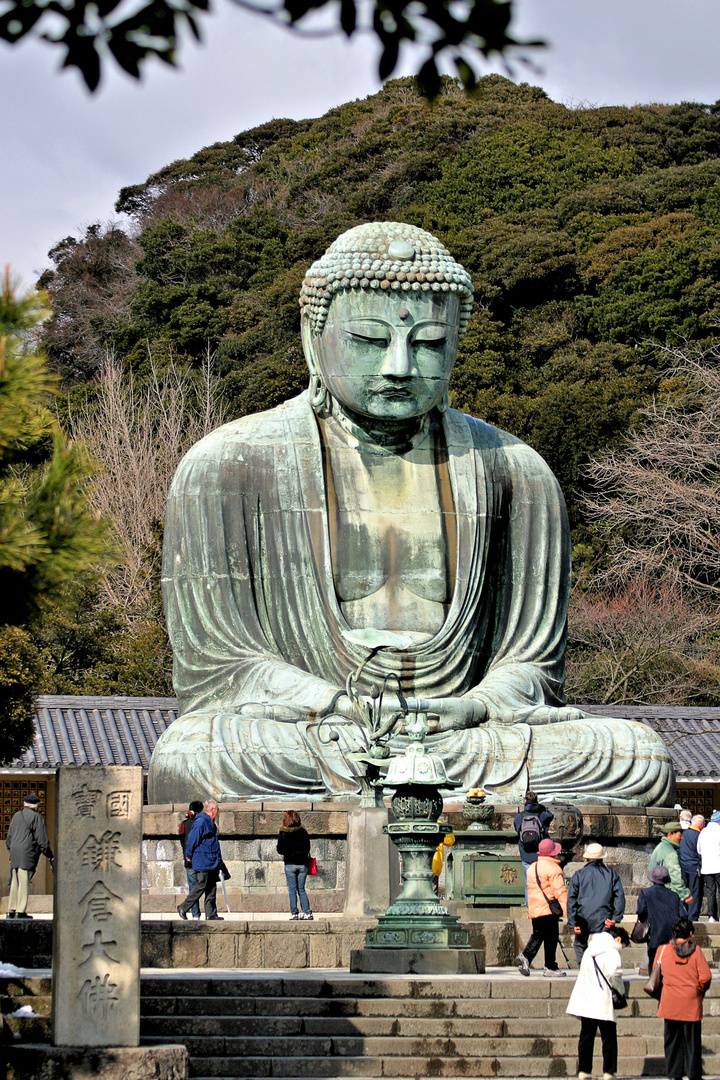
x=96 y=731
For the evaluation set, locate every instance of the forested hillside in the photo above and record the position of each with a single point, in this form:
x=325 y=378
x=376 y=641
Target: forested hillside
x=592 y=235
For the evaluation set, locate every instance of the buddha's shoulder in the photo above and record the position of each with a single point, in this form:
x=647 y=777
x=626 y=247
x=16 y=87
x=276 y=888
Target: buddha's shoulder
x=488 y=439
x=255 y=436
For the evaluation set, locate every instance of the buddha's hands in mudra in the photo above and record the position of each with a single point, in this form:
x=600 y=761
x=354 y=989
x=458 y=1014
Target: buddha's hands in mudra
x=453 y=713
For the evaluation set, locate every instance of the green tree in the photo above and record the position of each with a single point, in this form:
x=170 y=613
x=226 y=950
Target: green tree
x=466 y=33
x=48 y=533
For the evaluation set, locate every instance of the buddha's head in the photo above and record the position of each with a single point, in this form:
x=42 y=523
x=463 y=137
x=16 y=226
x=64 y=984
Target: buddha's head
x=382 y=312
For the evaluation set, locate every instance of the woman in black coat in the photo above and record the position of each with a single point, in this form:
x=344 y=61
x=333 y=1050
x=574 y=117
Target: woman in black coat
x=294 y=846
x=659 y=906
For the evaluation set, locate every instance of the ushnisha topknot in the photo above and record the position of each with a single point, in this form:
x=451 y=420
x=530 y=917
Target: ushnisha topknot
x=387 y=255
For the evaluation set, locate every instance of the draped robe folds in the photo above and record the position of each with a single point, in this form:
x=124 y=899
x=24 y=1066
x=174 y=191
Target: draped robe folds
x=256 y=628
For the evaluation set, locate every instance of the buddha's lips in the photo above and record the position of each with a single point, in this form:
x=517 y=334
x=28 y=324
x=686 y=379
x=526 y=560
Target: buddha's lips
x=394 y=391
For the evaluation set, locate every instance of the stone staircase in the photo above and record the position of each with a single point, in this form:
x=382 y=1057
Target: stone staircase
x=332 y=1025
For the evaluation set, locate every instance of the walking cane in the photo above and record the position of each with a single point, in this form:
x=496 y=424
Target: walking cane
x=222 y=884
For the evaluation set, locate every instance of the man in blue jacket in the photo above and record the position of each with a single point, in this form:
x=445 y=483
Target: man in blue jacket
x=596 y=899
x=203 y=849
x=689 y=860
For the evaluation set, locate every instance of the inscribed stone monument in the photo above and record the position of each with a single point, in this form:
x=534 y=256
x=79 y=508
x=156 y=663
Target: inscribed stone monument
x=96 y=933
x=368 y=504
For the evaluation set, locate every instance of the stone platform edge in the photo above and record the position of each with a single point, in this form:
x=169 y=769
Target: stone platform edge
x=32 y=1061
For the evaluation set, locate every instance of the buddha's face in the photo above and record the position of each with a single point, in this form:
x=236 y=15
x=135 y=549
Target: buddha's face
x=388 y=356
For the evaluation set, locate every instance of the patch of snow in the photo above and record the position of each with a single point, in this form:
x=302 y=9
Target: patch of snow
x=24 y=1010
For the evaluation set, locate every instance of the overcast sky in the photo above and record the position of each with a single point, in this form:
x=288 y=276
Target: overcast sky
x=65 y=153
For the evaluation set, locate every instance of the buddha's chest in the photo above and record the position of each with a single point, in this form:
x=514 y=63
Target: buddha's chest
x=392 y=532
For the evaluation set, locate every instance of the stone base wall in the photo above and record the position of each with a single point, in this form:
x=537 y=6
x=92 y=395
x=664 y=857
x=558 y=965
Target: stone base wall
x=248 y=834
x=248 y=837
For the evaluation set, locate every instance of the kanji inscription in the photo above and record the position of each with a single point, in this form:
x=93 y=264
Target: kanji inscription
x=96 y=943
x=101 y=852
x=85 y=799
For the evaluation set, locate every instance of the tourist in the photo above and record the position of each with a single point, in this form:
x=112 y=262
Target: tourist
x=708 y=847
x=531 y=825
x=184 y=831
x=685 y=979
x=26 y=840
x=685 y=819
x=666 y=854
x=660 y=907
x=596 y=898
x=690 y=865
x=545 y=883
x=203 y=851
x=294 y=846
x=591 y=1000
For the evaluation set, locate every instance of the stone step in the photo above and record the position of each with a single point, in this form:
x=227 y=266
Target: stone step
x=39 y=1005
x=410 y=1068
x=29 y=1029
x=403 y=1027
x=357 y=1047
x=323 y=1027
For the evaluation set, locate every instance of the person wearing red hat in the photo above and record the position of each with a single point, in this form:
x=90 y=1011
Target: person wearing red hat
x=545 y=884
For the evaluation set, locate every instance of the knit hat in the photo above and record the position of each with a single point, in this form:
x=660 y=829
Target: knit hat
x=549 y=847
x=594 y=851
x=31 y=800
x=672 y=826
x=715 y=816
x=659 y=875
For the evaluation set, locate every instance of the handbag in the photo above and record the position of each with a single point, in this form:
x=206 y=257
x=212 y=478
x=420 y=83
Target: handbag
x=312 y=866
x=640 y=932
x=619 y=1000
x=554 y=904
x=653 y=987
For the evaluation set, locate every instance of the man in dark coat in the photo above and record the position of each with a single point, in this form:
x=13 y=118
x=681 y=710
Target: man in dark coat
x=689 y=860
x=203 y=851
x=659 y=906
x=596 y=899
x=26 y=840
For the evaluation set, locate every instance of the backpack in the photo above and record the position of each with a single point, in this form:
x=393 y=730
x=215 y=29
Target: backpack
x=184 y=830
x=531 y=832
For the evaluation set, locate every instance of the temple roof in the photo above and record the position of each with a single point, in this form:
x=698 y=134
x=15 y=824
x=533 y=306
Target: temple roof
x=691 y=734
x=73 y=730
x=96 y=731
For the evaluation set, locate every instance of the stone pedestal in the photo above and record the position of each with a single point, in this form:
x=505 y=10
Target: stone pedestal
x=96 y=938
x=372 y=872
x=418 y=961
x=41 y=1061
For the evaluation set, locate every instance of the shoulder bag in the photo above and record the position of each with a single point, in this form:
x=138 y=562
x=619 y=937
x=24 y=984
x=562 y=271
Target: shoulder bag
x=653 y=987
x=619 y=1000
x=554 y=904
x=640 y=932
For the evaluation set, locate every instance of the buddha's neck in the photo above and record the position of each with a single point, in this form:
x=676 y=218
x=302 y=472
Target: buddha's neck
x=381 y=436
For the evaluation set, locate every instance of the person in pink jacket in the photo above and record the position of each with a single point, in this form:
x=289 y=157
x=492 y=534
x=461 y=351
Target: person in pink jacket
x=545 y=882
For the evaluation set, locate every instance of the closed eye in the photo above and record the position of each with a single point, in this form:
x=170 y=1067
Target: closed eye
x=372 y=339
x=432 y=342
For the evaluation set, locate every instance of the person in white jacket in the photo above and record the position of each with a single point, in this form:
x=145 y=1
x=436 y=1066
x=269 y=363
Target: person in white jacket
x=591 y=1000
x=708 y=848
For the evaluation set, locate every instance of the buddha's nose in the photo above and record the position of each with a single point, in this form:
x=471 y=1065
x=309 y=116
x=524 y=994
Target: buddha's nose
x=398 y=363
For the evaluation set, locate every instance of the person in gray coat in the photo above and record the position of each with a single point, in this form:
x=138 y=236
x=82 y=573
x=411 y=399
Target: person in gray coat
x=26 y=840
